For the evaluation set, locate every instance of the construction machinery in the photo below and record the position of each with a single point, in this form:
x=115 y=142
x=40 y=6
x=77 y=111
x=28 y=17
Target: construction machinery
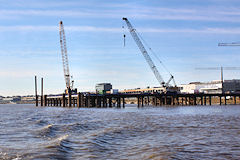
x=229 y=44
x=144 y=52
x=67 y=77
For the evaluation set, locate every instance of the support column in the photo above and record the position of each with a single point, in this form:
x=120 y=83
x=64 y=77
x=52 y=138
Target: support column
x=99 y=102
x=205 y=100
x=69 y=98
x=118 y=102
x=172 y=100
x=42 y=92
x=155 y=100
x=123 y=101
x=93 y=101
x=86 y=101
x=142 y=98
x=60 y=102
x=138 y=99
x=36 y=95
x=220 y=100
x=201 y=100
x=110 y=102
x=195 y=100
x=210 y=100
x=45 y=100
x=79 y=100
x=165 y=99
x=104 y=102
x=235 y=101
x=161 y=100
x=63 y=100
x=225 y=101
x=54 y=102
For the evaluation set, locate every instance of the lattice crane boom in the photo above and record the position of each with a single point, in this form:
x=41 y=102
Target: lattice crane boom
x=64 y=56
x=144 y=52
x=229 y=44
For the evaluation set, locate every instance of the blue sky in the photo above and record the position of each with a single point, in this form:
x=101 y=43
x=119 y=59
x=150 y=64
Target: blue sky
x=184 y=34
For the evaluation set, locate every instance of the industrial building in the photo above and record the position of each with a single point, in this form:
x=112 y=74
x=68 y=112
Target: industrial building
x=231 y=85
x=145 y=90
x=211 y=87
x=102 y=88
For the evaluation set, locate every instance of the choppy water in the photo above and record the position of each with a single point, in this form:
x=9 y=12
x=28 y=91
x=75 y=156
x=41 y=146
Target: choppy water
x=27 y=132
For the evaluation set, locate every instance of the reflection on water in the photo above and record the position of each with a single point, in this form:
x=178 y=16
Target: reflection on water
x=188 y=132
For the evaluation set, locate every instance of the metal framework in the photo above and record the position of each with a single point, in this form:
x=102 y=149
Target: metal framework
x=64 y=55
x=146 y=55
x=229 y=44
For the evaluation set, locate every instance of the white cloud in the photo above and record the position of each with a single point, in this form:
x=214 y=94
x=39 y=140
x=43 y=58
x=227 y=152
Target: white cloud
x=139 y=12
x=29 y=28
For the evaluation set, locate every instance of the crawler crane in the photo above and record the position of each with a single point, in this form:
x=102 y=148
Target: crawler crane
x=166 y=86
x=68 y=81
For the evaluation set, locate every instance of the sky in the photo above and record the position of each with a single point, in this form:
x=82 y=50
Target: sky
x=183 y=34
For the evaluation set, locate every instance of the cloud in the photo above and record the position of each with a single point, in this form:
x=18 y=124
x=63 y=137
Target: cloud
x=136 y=12
x=30 y=28
x=25 y=74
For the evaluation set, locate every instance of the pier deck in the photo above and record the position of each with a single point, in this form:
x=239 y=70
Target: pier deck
x=119 y=100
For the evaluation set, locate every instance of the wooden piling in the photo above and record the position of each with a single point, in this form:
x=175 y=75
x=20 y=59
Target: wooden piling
x=177 y=98
x=79 y=100
x=155 y=101
x=138 y=99
x=36 y=95
x=63 y=100
x=225 y=100
x=195 y=100
x=69 y=98
x=110 y=102
x=45 y=100
x=210 y=100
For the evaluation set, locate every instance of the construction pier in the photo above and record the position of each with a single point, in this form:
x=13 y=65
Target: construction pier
x=119 y=100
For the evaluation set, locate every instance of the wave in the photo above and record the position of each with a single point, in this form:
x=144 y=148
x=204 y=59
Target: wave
x=47 y=131
x=41 y=122
x=60 y=147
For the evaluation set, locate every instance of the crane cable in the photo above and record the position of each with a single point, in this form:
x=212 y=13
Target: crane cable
x=124 y=35
x=155 y=55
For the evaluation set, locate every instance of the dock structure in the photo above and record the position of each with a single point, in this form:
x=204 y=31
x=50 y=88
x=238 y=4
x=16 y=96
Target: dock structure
x=142 y=99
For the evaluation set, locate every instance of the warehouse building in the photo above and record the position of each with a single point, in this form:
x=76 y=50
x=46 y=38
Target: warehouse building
x=211 y=87
x=102 y=88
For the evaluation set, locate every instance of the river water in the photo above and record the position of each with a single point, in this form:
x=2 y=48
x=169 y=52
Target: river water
x=185 y=132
